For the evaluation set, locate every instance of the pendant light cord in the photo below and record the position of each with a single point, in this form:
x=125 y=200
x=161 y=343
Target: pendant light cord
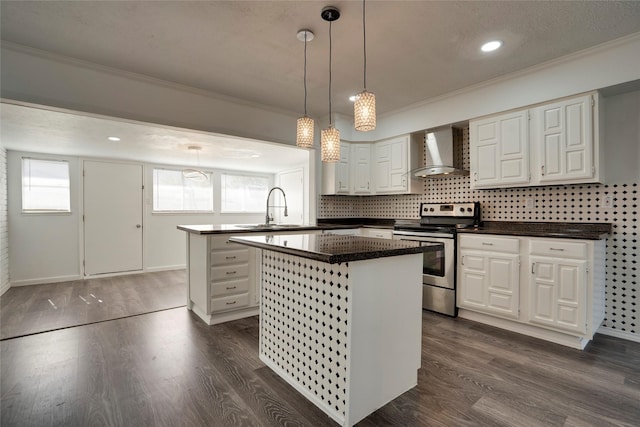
x=330 y=74
x=364 y=33
x=305 y=72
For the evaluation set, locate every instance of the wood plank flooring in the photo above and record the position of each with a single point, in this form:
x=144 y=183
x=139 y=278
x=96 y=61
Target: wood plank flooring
x=26 y=310
x=168 y=368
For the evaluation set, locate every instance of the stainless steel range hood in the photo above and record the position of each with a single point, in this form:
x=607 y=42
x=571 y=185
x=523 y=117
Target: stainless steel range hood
x=441 y=155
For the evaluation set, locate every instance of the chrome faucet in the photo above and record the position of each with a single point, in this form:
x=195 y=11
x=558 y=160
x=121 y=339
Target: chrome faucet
x=286 y=211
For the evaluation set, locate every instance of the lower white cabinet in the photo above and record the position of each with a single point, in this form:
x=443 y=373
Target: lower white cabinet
x=558 y=284
x=222 y=278
x=549 y=288
x=489 y=279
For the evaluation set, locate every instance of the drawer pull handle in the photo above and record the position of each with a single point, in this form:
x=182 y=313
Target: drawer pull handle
x=542 y=170
x=462 y=261
x=231 y=303
x=487 y=244
x=231 y=287
x=557 y=249
x=231 y=272
x=230 y=257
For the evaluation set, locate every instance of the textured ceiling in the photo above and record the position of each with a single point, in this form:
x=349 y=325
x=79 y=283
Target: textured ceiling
x=248 y=49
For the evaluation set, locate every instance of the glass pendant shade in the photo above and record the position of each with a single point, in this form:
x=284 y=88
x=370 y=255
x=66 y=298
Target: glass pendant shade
x=304 y=133
x=330 y=144
x=364 y=111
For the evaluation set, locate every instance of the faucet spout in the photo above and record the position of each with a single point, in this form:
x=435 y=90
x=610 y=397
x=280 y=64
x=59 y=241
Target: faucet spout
x=286 y=210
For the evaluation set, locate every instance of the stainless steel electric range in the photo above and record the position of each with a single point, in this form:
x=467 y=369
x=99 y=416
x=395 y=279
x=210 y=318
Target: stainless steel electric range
x=438 y=223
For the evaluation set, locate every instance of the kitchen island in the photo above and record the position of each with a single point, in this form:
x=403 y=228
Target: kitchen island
x=341 y=317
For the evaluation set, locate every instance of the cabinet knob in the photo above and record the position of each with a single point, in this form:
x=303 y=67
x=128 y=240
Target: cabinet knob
x=138 y=226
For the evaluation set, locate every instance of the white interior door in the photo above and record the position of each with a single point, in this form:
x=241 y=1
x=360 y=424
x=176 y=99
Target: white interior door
x=112 y=217
x=292 y=182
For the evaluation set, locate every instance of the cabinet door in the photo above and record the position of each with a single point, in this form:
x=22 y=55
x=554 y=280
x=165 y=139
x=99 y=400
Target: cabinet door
x=489 y=283
x=361 y=168
x=499 y=150
x=563 y=131
x=343 y=176
x=558 y=293
x=391 y=165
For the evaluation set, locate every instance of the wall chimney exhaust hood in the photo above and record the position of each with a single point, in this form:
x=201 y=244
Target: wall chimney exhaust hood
x=441 y=149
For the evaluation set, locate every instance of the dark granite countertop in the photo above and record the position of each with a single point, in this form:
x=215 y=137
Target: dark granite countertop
x=562 y=230
x=335 y=248
x=358 y=222
x=260 y=228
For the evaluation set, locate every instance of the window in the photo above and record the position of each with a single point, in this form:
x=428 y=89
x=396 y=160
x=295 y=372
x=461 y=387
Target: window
x=45 y=186
x=172 y=192
x=244 y=193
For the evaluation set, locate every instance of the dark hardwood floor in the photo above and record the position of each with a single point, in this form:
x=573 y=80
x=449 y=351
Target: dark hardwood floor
x=168 y=368
x=26 y=310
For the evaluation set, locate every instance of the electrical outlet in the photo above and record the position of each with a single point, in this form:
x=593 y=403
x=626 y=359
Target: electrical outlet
x=529 y=203
x=607 y=202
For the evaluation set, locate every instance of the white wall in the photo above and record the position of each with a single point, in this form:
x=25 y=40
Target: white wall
x=42 y=247
x=48 y=248
x=4 y=233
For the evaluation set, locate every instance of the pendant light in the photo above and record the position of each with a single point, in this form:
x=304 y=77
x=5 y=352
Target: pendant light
x=304 y=131
x=330 y=137
x=195 y=174
x=364 y=107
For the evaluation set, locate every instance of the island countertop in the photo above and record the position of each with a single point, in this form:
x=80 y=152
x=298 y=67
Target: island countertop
x=253 y=228
x=336 y=248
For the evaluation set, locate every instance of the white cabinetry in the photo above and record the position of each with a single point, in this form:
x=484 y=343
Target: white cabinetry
x=393 y=161
x=361 y=168
x=488 y=274
x=551 y=143
x=500 y=150
x=336 y=176
x=558 y=284
x=563 y=133
x=556 y=292
x=222 y=278
x=378 y=233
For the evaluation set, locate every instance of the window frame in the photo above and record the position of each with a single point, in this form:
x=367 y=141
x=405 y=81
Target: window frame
x=154 y=211
x=24 y=211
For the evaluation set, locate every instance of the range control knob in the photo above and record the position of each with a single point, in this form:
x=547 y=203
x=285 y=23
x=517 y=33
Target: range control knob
x=431 y=210
x=469 y=209
x=461 y=209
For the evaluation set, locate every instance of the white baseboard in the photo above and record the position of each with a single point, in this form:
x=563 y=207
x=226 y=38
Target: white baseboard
x=166 y=268
x=41 y=280
x=5 y=288
x=619 y=334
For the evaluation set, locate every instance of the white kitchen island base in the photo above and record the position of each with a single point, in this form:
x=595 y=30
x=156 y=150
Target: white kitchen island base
x=345 y=335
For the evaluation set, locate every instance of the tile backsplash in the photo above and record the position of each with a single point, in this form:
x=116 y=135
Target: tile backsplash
x=563 y=203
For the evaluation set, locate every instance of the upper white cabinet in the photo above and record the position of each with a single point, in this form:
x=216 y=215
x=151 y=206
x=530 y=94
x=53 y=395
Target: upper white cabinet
x=393 y=161
x=500 y=150
x=552 y=143
x=382 y=167
x=336 y=176
x=563 y=133
x=361 y=168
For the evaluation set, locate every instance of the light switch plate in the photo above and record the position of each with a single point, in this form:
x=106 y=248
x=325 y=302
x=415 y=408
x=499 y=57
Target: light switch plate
x=529 y=203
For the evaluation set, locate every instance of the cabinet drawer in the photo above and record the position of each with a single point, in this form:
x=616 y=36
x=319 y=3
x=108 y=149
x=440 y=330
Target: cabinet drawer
x=490 y=243
x=222 y=242
x=229 y=288
x=377 y=233
x=229 y=257
x=229 y=272
x=558 y=248
x=229 y=303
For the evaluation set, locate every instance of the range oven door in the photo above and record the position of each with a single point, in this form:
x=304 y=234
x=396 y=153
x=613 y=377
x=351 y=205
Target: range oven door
x=438 y=277
x=438 y=266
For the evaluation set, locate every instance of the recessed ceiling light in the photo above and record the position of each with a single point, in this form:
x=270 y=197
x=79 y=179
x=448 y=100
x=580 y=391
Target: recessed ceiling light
x=113 y=138
x=255 y=156
x=491 y=46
